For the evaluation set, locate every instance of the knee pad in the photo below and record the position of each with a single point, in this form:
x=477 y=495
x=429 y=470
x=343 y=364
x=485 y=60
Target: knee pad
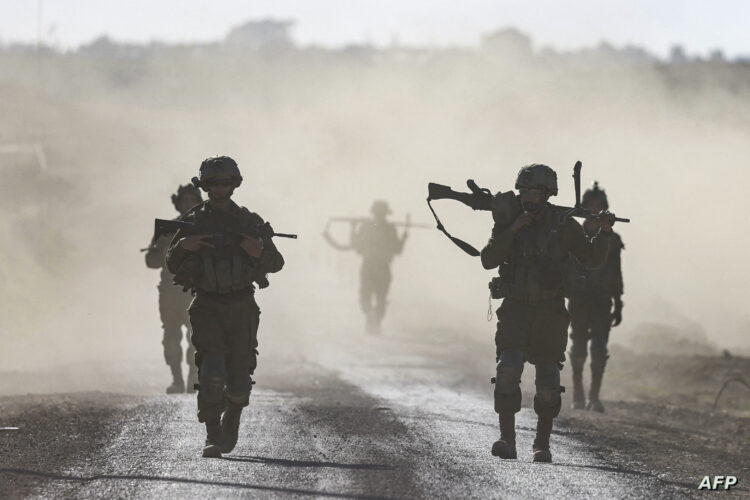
x=599 y=354
x=508 y=381
x=172 y=352
x=509 y=370
x=211 y=377
x=578 y=352
x=547 y=400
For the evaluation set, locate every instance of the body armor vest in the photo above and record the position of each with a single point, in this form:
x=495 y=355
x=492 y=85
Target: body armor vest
x=226 y=267
x=535 y=270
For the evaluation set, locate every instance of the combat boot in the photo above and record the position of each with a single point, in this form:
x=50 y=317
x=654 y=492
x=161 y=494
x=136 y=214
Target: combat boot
x=178 y=385
x=596 y=385
x=579 y=401
x=212 y=449
x=505 y=447
x=541 y=441
x=230 y=426
x=192 y=379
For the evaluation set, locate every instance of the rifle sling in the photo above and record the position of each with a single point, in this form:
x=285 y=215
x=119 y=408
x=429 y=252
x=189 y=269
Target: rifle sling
x=459 y=243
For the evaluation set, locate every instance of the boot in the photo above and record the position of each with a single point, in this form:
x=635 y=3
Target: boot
x=212 y=449
x=230 y=426
x=505 y=447
x=192 y=379
x=541 y=441
x=596 y=385
x=178 y=385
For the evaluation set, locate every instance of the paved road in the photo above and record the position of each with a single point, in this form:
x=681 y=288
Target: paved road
x=391 y=417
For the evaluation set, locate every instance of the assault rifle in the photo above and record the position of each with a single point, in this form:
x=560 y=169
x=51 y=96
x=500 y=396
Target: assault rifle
x=504 y=206
x=219 y=240
x=163 y=227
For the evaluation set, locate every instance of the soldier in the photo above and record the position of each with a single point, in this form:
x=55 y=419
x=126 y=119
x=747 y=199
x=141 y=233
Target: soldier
x=377 y=241
x=173 y=302
x=219 y=265
x=591 y=308
x=531 y=250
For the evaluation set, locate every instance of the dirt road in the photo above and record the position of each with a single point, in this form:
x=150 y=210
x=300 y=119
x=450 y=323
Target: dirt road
x=389 y=417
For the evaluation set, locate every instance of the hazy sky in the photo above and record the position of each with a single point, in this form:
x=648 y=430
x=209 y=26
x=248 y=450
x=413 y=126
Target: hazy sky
x=699 y=25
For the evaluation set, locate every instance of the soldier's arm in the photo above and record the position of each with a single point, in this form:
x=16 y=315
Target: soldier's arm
x=155 y=253
x=271 y=260
x=498 y=248
x=590 y=252
x=176 y=255
x=615 y=248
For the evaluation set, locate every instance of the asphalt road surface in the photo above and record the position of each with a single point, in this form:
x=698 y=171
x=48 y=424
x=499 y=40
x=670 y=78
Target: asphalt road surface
x=396 y=416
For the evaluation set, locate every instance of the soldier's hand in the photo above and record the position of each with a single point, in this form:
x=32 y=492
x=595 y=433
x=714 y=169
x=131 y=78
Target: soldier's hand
x=606 y=221
x=252 y=246
x=617 y=313
x=522 y=220
x=195 y=242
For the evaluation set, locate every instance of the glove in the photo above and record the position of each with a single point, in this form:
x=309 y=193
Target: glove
x=617 y=312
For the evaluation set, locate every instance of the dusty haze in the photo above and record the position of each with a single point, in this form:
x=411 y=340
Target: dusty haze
x=319 y=133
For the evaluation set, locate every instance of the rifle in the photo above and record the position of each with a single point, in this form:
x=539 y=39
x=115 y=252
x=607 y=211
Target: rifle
x=482 y=199
x=164 y=227
x=359 y=220
x=219 y=240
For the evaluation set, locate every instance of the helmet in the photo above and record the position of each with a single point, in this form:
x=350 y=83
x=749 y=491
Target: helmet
x=595 y=192
x=217 y=165
x=537 y=176
x=187 y=189
x=380 y=207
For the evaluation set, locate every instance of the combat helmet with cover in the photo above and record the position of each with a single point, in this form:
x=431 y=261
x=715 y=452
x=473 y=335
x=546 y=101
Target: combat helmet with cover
x=593 y=193
x=380 y=207
x=186 y=190
x=537 y=176
x=214 y=166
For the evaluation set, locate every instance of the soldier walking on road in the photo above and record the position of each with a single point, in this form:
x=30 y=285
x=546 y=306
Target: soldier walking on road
x=173 y=301
x=591 y=308
x=377 y=241
x=531 y=251
x=219 y=264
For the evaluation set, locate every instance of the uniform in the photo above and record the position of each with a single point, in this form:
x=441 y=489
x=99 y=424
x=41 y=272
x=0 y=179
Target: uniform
x=532 y=320
x=173 y=304
x=224 y=315
x=592 y=315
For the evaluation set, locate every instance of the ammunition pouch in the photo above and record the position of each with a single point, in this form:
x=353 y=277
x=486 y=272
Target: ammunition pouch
x=497 y=288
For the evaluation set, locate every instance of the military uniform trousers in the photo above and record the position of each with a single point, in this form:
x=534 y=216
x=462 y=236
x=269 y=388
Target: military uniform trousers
x=225 y=336
x=173 y=304
x=374 y=283
x=533 y=331
x=590 y=320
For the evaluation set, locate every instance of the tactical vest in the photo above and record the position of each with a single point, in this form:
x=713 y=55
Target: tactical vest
x=535 y=270
x=601 y=282
x=226 y=267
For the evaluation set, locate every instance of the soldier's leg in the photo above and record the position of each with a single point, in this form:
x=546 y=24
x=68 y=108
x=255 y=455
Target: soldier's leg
x=508 y=400
x=241 y=363
x=509 y=341
x=209 y=340
x=171 y=320
x=599 y=353
x=381 y=296
x=579 y=334
x=547 y=352
x=547 y=403
x=366 y=292
x=192 y=378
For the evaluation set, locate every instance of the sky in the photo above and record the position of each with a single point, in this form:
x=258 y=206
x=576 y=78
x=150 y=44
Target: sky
x=699 y=26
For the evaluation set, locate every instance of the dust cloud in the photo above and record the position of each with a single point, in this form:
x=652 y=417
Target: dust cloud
x=324 y=132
